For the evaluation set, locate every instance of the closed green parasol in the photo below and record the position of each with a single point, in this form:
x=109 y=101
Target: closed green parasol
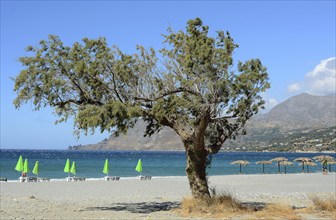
x=25 y=167
x=67 y=167
x=36 y=168
x=19 y=165
x=73 y=168
x=138 y=168
x=106 y=169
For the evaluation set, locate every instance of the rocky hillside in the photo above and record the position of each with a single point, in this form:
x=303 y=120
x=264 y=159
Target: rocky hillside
x=303 y=113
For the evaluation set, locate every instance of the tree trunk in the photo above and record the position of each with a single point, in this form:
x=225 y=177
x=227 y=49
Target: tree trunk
x=196 y=170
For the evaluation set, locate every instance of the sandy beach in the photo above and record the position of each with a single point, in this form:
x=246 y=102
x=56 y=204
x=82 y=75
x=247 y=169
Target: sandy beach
x=151 y=199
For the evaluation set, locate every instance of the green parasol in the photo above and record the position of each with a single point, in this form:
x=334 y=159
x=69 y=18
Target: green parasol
x=25 y=166
x=19 y=165
x=138 y=168
x=36 y=168
x=73 y=168
x=67 y=167
x=106 y=169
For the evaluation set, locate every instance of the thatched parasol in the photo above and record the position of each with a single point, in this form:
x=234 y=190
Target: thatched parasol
x=285 y=164
x=263 y=162
x=322 y=158
x=303 y=160
x=310 y=164
x=278 y=160
x=241 y=163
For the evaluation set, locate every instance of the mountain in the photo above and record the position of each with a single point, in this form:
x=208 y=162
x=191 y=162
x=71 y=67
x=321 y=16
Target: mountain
x=284 y=125
x=303 y=111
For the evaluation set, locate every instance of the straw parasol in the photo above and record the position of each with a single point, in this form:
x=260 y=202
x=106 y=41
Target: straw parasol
x=263 y=162
x=323 y=158
x=278 y=160
x=285 y=164
x=310 y=164
x=303 y=160
x=241 y=163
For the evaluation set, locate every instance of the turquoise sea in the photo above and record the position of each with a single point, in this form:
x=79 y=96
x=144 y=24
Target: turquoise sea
x=122 y=163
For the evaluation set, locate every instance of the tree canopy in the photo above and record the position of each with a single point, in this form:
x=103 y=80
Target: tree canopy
x=193 y=87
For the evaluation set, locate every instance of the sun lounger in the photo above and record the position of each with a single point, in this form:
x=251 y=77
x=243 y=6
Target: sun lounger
x=23 y=179
x=43 y=179
x=145 y=177
x=2 y=179
x=28 y=179
x=109 y=178
x=31 y=179
x=80 y=179
x=75 y=178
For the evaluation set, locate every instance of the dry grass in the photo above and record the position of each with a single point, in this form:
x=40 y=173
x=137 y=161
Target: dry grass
x=326 y=204
x=219 y=206
x=277 y=211
x=226 y=206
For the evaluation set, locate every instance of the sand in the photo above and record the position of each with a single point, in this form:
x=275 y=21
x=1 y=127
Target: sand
x=151 y=199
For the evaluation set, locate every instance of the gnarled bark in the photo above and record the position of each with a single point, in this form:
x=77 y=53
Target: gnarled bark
x=196 y=169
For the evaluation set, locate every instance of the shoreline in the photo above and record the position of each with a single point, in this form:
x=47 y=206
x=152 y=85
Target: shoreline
x=168 y=151
x=153 y=199
x=171 y=177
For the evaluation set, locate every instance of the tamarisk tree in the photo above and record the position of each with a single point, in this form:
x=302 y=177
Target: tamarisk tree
x=194 y=88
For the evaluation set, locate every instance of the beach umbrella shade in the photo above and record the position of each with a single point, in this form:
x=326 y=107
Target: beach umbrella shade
x=138 y=167
x=278 y=160
x=323 y=158
x=263 y=162
x=19 y=165
x=241 y=163
x=73 y=168
x=36 y=168
x=303 y=160
x=106 y=168
x=25 y=166
x=310 y=164
x=67 y=167
x=285 y=164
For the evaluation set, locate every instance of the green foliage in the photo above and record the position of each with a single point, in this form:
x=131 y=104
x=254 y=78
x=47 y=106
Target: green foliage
x=193 y=89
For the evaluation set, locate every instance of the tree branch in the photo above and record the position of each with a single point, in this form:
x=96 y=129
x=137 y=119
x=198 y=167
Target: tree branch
x=178 y=90
x=114 y=83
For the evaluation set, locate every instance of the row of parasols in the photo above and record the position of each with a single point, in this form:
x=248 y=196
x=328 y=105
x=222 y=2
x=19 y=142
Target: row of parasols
x=23 y=167
x=282 y=161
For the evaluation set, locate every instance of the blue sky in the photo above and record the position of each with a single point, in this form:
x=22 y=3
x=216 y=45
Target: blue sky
x=294 y=39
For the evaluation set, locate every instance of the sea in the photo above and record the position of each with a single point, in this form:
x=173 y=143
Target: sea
x=155 y=163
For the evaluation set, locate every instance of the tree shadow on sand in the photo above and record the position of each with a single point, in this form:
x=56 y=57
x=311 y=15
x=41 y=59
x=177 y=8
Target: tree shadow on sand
x=140 y=207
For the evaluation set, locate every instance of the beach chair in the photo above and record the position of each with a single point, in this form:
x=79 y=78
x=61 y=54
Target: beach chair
x=43 y=179
x=31 y=179
x=70 y=179
x=109 y=178
x=80 y=178
x=115 y=178
x=145 y=177
x=2 y=179
x=75 y=178
x=23 y=179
